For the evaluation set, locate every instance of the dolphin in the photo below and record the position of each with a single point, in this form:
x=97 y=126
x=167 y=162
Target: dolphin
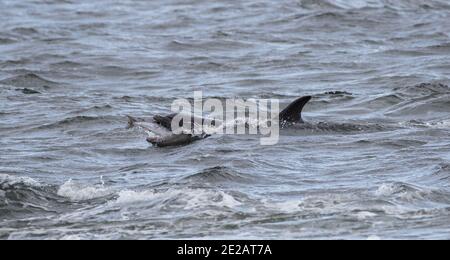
x=159 y=128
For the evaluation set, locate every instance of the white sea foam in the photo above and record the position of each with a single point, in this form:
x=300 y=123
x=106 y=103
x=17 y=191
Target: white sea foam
x=443 y=124
x=358 y=4
x=10 y=180
x=78 y=192
x=440 y=124
x=289 y=206
x=404 y=192
x=185 y=197
x=72 y=237
x=365 y=215
x=386 y=189
x=374 y=238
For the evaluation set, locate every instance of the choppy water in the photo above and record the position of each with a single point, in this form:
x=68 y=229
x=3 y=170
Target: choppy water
x=373 y=163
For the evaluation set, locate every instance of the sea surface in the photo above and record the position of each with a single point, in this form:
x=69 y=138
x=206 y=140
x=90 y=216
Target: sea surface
x=373 y=162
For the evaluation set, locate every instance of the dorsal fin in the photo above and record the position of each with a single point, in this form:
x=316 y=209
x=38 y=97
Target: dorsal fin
x=165 y=121
x=132 y=121
x=293 y=113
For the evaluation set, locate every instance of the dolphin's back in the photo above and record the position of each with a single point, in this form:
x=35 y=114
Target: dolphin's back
x=291 y=114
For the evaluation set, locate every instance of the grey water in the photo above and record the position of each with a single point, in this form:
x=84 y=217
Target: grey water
x=373 y=162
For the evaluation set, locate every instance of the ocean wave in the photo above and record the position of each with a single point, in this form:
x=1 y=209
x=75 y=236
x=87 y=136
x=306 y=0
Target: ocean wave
x=26 y=31
x=7 y=181
x=94 y=109
x=398 y=5
x=221 y=45
x=399 y=192
x=423 y=89
x=442 y=172
x=426 y=101
x=183 y=198
x=66 y=64
x=23 y=195
x=217 y=174
x=77 y=120
x=426 y=109
x=29 y=80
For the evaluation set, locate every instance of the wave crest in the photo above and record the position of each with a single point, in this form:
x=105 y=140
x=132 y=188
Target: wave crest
x=217 y=174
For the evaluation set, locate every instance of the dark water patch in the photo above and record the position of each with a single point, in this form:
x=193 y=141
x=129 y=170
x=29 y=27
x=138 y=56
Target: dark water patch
x=30 y=81
x=221 y=34
x=443 y=47
x=112 y=70
x=333 y=16
x=90 y=14
x=15 y=62
x=56 y=40
x=135 y=168
x=115 y=71
x=25 y=31
x=342 y=128
x=256 y=82
x=28 y=91
x=213 y=66
x=5 y=41
x=286 y=19
x=145 y=99
x=373 y=42
x=402 y=143
x=93 y=26
x=49 y=57
x=66 y=65
x=209 y=45
x=179 y=22
x=407 y=53
x=144 y=74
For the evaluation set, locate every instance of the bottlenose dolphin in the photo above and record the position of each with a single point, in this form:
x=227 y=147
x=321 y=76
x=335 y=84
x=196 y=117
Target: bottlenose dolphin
x=159 y=128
